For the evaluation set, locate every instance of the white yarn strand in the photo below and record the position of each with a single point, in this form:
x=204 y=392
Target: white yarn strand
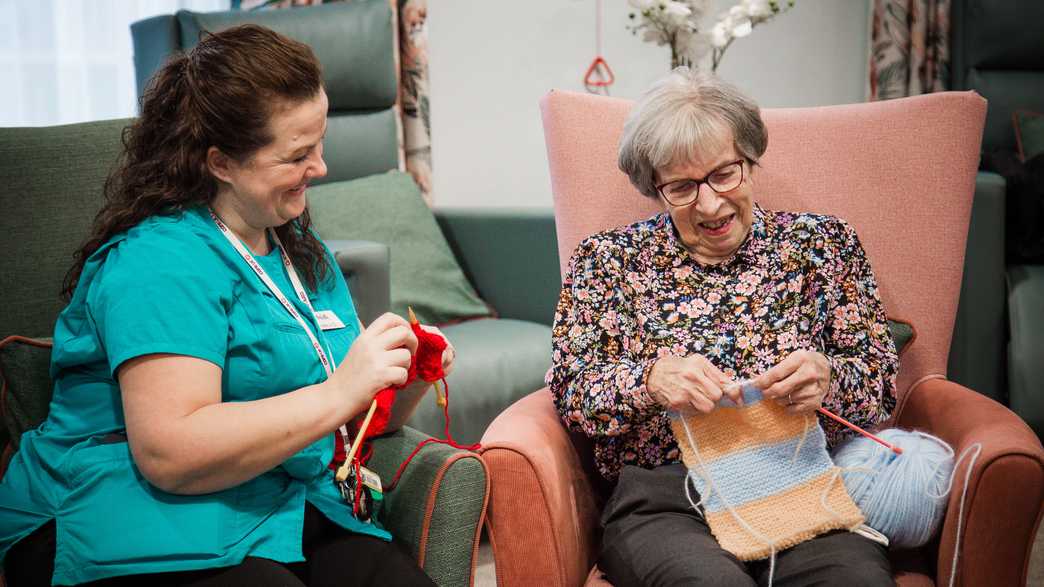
x=728 y=506
x=977 y=448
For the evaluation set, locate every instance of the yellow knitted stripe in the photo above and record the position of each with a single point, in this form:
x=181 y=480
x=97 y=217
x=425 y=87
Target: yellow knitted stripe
x=786 y=518
x=726 y=431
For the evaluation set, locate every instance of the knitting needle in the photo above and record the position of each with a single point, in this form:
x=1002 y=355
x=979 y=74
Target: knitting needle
x=841 y=420
x=342 y=472
x=844 y=422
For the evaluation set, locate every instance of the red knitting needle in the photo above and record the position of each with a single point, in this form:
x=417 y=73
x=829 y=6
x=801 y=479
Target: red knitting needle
x=841 y=420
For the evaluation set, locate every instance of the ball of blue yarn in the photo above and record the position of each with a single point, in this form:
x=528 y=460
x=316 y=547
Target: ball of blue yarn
x=902 y=495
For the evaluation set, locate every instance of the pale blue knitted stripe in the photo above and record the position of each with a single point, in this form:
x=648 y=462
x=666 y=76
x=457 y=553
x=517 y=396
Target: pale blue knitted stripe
x=765 y=470
x=751 y=396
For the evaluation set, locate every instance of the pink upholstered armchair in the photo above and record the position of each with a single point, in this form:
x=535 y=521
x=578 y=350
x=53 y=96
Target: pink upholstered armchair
x=902 y=173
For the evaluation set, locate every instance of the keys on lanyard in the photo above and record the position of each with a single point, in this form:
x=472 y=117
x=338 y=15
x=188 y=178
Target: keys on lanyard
x=362 y=491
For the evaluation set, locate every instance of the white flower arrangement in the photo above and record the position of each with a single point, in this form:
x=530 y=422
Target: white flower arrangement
x=678 y=24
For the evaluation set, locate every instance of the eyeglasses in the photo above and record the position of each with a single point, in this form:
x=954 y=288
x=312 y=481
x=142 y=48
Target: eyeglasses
x=682 y=192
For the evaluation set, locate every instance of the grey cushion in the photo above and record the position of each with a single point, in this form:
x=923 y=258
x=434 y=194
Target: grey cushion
x=498 y=362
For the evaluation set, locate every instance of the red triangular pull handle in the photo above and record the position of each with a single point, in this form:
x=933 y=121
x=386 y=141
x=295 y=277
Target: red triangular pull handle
x=599 y=74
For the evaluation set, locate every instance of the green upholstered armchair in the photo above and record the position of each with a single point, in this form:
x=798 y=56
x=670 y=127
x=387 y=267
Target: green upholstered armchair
x=54 y=177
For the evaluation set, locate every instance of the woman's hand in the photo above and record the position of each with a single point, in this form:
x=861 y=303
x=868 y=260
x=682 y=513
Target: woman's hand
x=378 y=358
x=687 y=384
x=801 y=381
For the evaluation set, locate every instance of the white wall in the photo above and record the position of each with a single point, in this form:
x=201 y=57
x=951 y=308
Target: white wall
x=492 y=60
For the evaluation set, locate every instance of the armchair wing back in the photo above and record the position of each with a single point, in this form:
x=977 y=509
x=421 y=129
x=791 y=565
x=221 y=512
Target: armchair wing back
x=902 y=172
x=355 y=43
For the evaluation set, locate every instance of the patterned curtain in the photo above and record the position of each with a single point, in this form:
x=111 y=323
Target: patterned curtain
x=413 y=80
x=413 y=91
x=909 y=48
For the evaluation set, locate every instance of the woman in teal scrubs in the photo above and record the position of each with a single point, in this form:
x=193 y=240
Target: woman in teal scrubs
x=209 y=353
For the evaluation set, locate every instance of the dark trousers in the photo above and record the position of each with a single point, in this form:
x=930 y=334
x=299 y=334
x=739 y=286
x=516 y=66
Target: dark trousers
x=333 y=556
x=652 y=536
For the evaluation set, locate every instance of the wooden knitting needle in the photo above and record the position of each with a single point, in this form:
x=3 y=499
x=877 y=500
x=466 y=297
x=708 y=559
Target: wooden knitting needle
x=841 y=420
x=342 y=472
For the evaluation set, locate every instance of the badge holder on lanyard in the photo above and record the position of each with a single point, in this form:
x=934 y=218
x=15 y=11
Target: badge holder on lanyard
x=363 y=502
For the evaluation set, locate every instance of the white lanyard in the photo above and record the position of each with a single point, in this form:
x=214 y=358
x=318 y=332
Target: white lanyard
x=298 y=289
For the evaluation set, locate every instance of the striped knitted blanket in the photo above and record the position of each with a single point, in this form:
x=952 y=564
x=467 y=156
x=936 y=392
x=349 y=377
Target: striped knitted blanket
x=764 y=476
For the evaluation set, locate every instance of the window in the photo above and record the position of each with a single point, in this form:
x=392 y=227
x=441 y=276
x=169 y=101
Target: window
x=65 y=61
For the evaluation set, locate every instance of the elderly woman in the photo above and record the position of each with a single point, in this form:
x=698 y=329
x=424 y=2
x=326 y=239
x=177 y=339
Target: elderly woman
x=209 y=354
x=665 y=315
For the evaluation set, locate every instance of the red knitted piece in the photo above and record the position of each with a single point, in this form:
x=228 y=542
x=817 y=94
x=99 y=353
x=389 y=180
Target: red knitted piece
x=425 y=364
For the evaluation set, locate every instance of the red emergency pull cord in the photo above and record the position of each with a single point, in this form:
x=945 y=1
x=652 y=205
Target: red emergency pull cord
x=599 y=75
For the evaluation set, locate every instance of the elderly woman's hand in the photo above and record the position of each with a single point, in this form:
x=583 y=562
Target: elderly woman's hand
x=800 y=381
x=687 y=384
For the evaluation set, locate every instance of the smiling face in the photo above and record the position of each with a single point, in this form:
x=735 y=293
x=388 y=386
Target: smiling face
x=268 y=189
x=714 y=226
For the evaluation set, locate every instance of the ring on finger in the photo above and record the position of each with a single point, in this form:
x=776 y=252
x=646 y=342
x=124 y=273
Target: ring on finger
x=790 y=400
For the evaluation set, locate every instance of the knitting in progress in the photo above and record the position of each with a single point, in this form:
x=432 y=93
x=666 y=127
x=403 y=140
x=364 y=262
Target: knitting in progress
x=765 y=479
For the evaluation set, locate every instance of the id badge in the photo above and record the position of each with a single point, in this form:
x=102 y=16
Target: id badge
x=328 y=320
x=363 y=492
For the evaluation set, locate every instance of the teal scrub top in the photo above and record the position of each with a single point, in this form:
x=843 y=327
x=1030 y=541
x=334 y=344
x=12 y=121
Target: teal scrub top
x=172 y=284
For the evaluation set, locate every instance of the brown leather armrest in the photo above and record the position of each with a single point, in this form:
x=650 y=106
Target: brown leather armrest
x=543 y=514
x=1005 y=490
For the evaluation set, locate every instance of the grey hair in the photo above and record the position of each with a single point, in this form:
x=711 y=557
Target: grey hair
x=683 y=115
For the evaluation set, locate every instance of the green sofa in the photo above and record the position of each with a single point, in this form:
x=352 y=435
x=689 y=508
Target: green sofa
x=53 y=178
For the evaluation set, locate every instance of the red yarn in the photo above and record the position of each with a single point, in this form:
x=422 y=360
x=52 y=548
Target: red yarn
x=425 y=364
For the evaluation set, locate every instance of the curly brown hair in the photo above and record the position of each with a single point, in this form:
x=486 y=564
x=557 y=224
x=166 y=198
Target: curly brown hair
x=220 y=93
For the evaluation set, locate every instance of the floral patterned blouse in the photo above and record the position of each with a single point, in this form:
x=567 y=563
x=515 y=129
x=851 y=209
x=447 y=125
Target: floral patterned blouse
x=634 y=294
